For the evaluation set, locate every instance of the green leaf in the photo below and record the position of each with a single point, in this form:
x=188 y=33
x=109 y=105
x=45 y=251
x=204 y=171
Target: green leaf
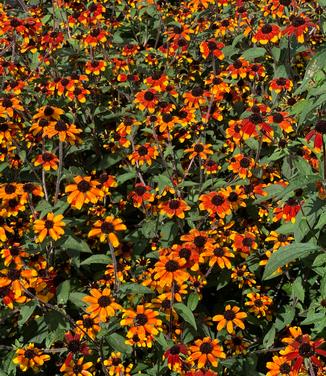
x=298 y=290
x=63 y=292
x=26 y=312
x=186 y=314
x=76 y=298
x=76 y=244
x=135 y=288
x=125 y=177
x=253 y=53
x=117 y=342
x=269 y=337
x=286 y=255
x=192 y=301
x=97 y=259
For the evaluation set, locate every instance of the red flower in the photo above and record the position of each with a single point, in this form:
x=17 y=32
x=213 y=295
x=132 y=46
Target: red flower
x=174 y=356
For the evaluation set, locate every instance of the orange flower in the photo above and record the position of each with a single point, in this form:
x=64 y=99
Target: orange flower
x=30 y=357
x=280 y=84
x=267 y=33
x=95 y=67
x=220 y=256
x=66 y=132
x=215 y=203
x=280 y=366
x=51 y=226
x=8 y=105
x=206 y=351
x=47 y=161
x=143 y=322
x=76 y=368
x=146 y=100
x=170 y=269
x=212 y=48
x=83 y=191
x=174 y=207
x=232 y=316
x=196 y=97
x=141 y=194
x=259 y=304
x=242 y=165
x=200 y=150
x=143 y=154
x=106 y=230
x=48 y=113
x=101 y=304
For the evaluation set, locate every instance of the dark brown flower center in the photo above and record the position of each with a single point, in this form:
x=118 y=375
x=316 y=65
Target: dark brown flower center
x=218 y=252
x=197 y=92
x=143 y=151
x=298 y=21
x=185 y=253
x=174 y=204
x=61 y=126
x=83 y=186
x=258 y=303
x=233 y=197
x=29 y=354
x=200 y=241
x=88 y=323
x=175 y=350
x=237 y=64
x=247 y=242
x=149 y=96
x=211 y=45
x=306 y=350
x=282 y=237
x=48 y=224
x=140 y=190
x=47 y=157
x=278 y=118
x=206 y=348
x=167 y=118
x=6 y=103
x=321 y=126
x=48 y=111
x=95 y=33
x=104 y=301
x=107 y=227
x=229 y=315
x=217 y=200
x=74 y=346
x=77 y=369
x=199 y=148
x=9 y=189
x=171 y=266
x=245 y=162
x=281 y=81
x=116 y=361
x=266 y=29
x=285 y=368
x=255 y=119
x=13 y=274
x=140 y=319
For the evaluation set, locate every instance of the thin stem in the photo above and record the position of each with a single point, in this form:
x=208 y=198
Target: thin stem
x=44 y=185
x=57 y=185
x=115 y=268
x=324 y=158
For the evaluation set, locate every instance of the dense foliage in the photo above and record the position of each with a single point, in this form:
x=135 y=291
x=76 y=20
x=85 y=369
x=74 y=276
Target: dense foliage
x=162 y=187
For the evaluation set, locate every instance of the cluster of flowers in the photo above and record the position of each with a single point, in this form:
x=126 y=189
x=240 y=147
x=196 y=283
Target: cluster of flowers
x=147 y=153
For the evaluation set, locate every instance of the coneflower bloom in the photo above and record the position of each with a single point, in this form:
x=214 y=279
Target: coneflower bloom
x=102 y=305
x=52 y=225
x=106 y=230
x=206 y=352
x=175 y=207
x=83 y=191
x=267 y=33
x=30 y=357
x=170 y=269
x=231 y=317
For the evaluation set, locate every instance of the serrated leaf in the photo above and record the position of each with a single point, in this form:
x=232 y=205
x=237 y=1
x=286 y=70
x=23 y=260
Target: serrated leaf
x=26 y=312
x=253 y=53
x=76 y=244
x=186 y=314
